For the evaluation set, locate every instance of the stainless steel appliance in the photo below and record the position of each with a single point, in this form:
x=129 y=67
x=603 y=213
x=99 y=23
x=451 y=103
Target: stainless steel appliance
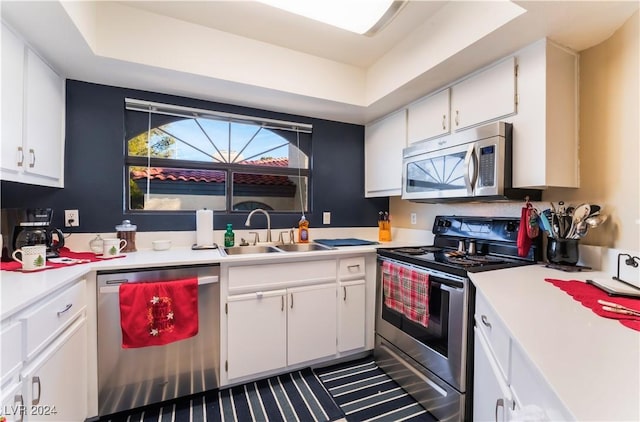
x=129 y=378
x=474 y=164
x=28 y=227
x=434 y=363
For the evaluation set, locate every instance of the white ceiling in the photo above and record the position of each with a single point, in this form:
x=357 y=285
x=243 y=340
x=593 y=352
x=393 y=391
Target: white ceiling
x=80 y=51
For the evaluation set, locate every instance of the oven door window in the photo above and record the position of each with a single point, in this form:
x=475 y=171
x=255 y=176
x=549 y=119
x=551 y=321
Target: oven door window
x=434 y=334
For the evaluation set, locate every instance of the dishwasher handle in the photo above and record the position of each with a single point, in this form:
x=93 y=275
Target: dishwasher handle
x=115 y=288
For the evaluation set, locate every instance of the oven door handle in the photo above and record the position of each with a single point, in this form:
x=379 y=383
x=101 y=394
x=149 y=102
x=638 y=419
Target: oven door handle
x=451 y=289
x=114 y=286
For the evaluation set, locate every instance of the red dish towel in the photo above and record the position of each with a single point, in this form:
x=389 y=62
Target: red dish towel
x=589 y=295
x=158 y=313
x=415 y=295
x=391 y=285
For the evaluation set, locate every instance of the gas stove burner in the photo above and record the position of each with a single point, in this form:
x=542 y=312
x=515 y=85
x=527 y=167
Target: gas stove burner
x=418 y=251
x=472 y=260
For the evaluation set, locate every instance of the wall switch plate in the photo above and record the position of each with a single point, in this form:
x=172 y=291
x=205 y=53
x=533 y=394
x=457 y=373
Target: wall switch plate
x=71 y=218
x=414 y=218
x=326 y=217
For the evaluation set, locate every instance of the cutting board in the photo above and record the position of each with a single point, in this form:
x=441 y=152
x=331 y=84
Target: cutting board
x=344 y=242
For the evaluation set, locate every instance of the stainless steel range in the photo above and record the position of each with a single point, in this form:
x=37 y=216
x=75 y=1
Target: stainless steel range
x=425 y=307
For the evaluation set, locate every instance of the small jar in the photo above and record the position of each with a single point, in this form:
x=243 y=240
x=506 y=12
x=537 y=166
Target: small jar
x=96 y=244
x=127 y=231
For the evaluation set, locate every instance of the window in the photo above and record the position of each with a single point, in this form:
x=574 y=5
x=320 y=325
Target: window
x=182 y=158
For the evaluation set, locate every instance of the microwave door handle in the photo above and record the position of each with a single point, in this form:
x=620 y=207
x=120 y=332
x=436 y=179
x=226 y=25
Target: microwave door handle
x=471 y=173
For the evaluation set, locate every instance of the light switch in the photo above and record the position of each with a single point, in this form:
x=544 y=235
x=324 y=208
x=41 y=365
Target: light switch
x=326 y=217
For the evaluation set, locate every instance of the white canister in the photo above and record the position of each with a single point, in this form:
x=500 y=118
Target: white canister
x=33 y=257
x=112 y=248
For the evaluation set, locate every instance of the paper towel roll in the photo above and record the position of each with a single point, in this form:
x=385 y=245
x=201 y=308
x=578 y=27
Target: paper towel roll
x=204 y=227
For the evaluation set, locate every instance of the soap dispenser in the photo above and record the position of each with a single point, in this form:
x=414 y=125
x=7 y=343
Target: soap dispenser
x=229 y=236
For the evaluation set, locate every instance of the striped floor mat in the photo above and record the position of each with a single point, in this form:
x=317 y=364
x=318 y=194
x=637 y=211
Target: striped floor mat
x=365 y=393
x=297 y=396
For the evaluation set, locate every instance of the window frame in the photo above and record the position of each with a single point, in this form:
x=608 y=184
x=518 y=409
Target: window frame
x=228 y=168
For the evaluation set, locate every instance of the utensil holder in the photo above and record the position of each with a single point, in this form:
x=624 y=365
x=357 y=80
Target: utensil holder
x=563 y=251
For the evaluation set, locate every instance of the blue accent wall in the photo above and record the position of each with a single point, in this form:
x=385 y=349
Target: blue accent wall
x=94 y=168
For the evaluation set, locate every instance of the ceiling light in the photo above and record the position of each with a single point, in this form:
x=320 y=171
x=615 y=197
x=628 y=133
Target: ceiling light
x=359 y=16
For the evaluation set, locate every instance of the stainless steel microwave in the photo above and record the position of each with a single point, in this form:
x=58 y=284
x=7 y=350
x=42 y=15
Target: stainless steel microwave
x=472 y=165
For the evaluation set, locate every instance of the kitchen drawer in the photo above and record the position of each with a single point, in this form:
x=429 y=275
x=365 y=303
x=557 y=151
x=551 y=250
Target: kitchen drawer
x=45 y=322
x=351 y=267
x=261 y=277
x=495 y=332
x=11 y=347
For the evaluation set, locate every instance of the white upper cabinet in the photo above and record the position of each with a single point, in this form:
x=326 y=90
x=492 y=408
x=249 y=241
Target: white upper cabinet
x=383 y=144
x=12 y=102
x=32 y=116
x=429 y=117
x=485 y=96
x=545 y=130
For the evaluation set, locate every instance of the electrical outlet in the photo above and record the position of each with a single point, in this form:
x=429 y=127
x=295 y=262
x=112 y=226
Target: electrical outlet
x=71 y=218
x=326 y=217
x=414 y=218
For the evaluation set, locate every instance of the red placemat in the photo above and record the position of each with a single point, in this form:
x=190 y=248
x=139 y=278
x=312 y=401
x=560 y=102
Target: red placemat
x=589 y=295
x=80 y=257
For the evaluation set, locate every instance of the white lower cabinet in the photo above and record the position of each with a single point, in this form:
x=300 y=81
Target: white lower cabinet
x=507 y=386
x=256 y=327
x=54 y=385
x=351 y=312
x=278 y=317
x=12 y=402
x=45 y=359
x=282 y=327
x=492 y=398
x=311 y=325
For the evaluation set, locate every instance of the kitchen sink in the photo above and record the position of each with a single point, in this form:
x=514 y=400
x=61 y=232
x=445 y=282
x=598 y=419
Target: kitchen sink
x=303 y=247
x=240 y=250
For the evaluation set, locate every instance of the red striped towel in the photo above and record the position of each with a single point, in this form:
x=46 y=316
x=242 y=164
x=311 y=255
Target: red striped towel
x=391 y=285
x=158 y=313
x=415 y=296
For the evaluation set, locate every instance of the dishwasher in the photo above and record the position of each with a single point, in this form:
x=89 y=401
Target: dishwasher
x=130 y=378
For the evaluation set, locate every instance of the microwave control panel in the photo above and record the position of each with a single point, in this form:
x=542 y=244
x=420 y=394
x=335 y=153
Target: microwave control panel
x=487 y=165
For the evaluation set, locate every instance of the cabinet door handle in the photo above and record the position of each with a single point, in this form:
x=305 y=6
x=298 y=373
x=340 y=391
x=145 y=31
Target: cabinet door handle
x=444 y=122
x=291 y=300
x=66 y=308
x=21 y=157
x=352 y=267
x=33 y=158
x=485 y=321
x=457 y=117
x=36 y=398
x=19 y=400
x=344 y=298
x=282 y=303
x=499 y=403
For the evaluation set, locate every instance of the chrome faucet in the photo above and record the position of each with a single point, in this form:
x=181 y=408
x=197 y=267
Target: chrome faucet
x=248 y=222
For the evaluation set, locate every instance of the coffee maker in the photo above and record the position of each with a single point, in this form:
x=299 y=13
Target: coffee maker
x=26 y=227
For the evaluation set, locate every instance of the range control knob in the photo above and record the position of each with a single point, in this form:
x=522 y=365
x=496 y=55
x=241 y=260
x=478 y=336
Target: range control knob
x=511 y=226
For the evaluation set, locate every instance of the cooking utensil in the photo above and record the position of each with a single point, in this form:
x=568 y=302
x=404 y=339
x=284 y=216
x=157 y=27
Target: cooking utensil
x=616 y=305
x=580 y=213
x=596 y=220
x=581 y=229
x=546 y=226
x=595 y=210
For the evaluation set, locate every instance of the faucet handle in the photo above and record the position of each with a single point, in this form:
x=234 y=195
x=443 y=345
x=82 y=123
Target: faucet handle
x=256 y=238
x=292 y=235
x=281 y=237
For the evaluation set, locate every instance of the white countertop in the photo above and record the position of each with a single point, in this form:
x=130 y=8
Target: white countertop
x=19 y=290
x=592 y=363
